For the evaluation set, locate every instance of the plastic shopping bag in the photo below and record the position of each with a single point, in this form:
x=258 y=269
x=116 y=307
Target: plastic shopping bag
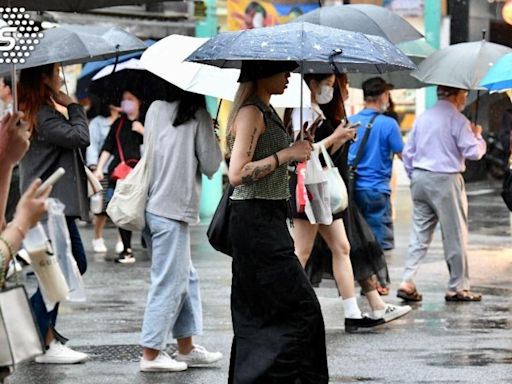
x=61 y=243
x=337 y=188
x=300 y=190
x=318 y=206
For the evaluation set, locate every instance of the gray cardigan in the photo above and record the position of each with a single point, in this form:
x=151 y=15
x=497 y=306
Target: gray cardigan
x=55 y=144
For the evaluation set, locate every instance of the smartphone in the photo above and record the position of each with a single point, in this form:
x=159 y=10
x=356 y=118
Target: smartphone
x=54 y=177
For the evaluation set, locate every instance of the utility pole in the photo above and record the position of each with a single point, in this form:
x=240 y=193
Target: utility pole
x=432 y=20
x=206 y=26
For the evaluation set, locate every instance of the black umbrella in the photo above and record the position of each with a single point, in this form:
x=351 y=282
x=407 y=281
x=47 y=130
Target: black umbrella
x=71 y=5
x=365 y=18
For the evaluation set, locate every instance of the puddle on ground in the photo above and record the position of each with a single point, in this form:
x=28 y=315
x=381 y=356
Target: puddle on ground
x=476 y=358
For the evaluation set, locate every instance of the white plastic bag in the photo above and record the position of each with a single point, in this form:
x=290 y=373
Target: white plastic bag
x=61 y=243
x=337 y=188
x=318 y=205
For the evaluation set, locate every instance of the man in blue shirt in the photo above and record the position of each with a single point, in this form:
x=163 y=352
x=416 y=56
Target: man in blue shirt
x=372 y=189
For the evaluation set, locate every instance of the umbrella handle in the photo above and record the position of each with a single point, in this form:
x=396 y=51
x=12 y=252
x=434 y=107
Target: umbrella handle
x=14 y=88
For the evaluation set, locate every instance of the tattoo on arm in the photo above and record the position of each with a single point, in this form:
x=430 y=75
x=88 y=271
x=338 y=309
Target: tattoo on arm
x=249 y=152
x=255 y=173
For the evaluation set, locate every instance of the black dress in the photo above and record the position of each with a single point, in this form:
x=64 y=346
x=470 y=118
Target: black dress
x=366 y=255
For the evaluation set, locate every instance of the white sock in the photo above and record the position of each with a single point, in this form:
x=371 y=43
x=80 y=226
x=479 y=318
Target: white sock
x=351 y=308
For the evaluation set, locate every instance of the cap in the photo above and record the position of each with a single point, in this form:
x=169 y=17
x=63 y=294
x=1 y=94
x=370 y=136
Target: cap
x=260 y=69
x=375 y=86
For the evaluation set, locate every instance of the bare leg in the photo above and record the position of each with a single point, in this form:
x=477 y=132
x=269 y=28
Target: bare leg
x=375 y=300
x=303 y=233
x=99 y=224
x=185 y=345
x=336 y=238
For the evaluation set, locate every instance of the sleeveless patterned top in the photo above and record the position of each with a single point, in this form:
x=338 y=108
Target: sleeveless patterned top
x=274 y=186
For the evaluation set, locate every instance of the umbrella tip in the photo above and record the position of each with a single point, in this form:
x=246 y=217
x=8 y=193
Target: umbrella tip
x=484 y=31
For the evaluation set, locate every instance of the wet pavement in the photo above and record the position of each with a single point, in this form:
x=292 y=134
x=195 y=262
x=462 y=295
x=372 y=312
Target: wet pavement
x=437 y=343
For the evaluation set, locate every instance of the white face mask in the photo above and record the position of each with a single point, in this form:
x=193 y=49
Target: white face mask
x=324 y=94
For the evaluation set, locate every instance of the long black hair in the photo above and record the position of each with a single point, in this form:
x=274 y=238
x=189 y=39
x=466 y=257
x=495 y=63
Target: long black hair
x=189 y=103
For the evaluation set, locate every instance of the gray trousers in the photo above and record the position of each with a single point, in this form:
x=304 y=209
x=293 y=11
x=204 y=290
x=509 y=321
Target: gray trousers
x=439 y=198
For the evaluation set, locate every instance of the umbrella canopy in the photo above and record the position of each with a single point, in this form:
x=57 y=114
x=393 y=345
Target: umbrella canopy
x=165 y=59
x=92 y=68
x=70 y=5
x=310 y=45
x=460 y=65
x=499 y=77
x=417 y=51
x=365 y=18
x=72 y=44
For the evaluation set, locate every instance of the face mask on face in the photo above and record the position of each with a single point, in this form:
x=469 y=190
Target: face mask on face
x=324 y=95
x=128 y=106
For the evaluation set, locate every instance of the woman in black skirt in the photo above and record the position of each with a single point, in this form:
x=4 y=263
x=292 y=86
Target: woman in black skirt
x=359 y=259
x=278 y=325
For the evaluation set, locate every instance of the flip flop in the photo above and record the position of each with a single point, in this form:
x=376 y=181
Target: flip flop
x=409 y=296
x=464 y=296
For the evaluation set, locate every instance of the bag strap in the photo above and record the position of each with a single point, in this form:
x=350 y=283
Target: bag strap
x=118 y=140
x=327 y=158
x=367 y=130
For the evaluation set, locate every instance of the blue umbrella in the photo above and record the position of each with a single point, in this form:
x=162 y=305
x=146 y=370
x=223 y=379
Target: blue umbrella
x=310 y=45
x=499 y=77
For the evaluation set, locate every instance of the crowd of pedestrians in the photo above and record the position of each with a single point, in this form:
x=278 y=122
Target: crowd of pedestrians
x=279 y=334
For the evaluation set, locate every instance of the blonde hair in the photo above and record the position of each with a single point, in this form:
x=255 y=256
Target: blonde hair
x=244 y=92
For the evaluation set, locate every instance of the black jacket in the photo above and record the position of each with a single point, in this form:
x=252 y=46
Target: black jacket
x=55 y=144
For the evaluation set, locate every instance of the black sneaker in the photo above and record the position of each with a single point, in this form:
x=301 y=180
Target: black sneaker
x=126 y=257
x=351 y=325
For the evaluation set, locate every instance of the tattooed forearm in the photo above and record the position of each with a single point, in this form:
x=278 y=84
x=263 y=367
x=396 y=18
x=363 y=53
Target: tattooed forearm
x=253 y=174
x=249 y=152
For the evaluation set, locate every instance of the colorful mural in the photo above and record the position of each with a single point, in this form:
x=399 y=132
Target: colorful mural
x=247 y=14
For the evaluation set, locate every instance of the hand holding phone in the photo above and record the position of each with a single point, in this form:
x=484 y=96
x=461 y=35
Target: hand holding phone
x=50 y=181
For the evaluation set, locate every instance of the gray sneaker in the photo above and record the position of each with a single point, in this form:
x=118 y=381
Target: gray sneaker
x=198 y=356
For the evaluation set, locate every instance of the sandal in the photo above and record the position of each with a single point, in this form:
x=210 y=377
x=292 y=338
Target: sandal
x=409 y=296
x=462 y=296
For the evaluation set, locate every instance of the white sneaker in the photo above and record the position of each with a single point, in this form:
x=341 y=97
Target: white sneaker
x=98 y=246
x=162 y=363
x=391 y=312
x=198 y=356
x=119 y=247
x=58 y=353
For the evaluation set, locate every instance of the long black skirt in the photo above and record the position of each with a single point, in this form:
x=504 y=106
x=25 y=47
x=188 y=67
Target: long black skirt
x=277 y=320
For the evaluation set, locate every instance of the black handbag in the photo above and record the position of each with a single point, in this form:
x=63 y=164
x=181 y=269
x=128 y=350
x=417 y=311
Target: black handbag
x=218 y=230
x=506 y=192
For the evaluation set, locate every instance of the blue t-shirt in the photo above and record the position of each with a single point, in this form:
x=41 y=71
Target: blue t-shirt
x=374 y=169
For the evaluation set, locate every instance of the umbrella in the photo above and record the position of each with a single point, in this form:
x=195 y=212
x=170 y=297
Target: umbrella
x=365 y=18
x=499 y=76
x=90 y=69
x=310 y=45
x=165 y=59
x=417 y=51
x=460 y=65
x=70 y=5
x=72 y=44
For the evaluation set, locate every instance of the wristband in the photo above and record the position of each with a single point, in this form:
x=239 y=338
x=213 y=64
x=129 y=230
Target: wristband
x=9 y=247
x=277 y=160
